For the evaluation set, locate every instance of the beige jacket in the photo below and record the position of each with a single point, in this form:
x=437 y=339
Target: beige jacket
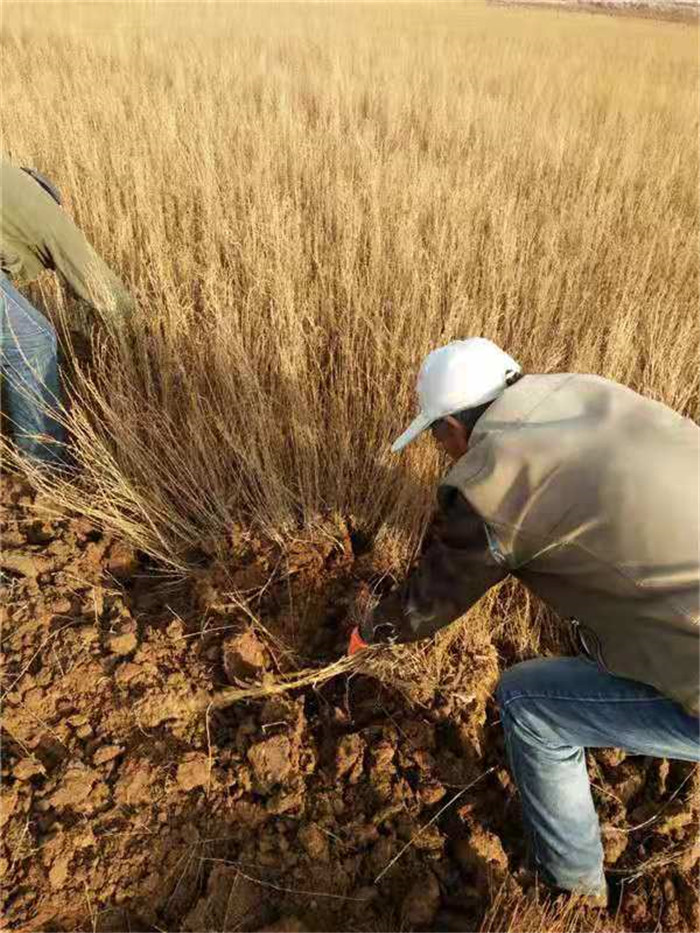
x=36 y=234
x=589 y=494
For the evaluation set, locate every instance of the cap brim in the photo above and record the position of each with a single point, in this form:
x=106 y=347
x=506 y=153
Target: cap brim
x=417 y=426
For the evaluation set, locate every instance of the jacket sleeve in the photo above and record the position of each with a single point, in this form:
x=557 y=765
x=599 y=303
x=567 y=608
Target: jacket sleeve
x=65 y=249
x=454 y=571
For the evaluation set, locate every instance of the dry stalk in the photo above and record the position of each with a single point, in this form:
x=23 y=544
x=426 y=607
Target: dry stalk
x=309 y=677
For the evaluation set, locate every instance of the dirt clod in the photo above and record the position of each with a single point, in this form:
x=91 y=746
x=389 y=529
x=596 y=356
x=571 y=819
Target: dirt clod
x=59 y=872
x=244 y=656
x=271 y=760
x=122 y=561
x=74 y=788
x=27 y=768
x=122 y=644
x=422 y=902
x=348 y=757
x=106 y=753
x=193 y=772
x=28 y=565
x=314 y=841
x=231 y=902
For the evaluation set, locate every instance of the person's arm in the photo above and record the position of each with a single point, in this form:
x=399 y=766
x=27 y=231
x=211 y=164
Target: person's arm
x=35 y=225
x=66 y=249
x=456 y=568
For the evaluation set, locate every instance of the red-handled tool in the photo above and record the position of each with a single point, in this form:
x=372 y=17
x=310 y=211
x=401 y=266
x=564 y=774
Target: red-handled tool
x=356 y=642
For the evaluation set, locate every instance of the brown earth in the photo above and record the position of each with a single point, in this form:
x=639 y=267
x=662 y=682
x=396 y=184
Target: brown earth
x=126 y=806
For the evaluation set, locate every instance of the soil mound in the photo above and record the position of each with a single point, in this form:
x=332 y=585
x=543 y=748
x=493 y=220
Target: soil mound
x=124 y=806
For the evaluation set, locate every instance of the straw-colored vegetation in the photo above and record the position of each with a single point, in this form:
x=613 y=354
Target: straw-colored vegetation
x=305 y=199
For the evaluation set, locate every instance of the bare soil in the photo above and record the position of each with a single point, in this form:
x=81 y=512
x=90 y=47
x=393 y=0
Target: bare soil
x=126 y=806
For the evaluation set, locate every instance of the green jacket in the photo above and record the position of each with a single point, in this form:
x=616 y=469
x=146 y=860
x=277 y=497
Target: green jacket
x=36 y=234
x=589 y=494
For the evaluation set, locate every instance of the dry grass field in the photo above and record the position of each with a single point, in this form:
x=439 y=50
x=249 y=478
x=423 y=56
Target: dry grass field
x=304 y=199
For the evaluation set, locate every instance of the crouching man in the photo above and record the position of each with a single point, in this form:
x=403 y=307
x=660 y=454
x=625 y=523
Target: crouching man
x=589 y=494
x=37 y=234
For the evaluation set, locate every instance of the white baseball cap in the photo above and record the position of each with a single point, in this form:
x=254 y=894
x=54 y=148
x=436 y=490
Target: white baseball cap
x=463 y=374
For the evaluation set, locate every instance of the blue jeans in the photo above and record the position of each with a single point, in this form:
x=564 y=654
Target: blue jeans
x=29 y=373
x=551 y=710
